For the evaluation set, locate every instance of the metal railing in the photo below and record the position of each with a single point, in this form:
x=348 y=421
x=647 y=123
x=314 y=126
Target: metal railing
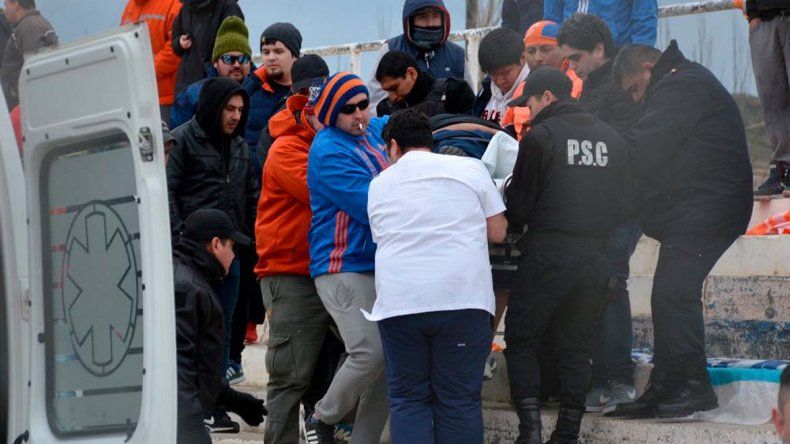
x=472 y=37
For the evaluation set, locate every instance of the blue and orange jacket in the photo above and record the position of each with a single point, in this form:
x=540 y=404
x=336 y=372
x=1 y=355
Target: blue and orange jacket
x=339 y=170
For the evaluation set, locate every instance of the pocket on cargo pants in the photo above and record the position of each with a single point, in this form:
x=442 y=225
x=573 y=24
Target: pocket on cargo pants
x=280 y=362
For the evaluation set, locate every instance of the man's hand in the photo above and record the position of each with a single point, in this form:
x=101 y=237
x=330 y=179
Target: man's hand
x=250 y=408
x=185 y=41
x=754 y=23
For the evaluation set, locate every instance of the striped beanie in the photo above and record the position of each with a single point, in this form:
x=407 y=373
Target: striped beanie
x=542 y=33
x=338 y=89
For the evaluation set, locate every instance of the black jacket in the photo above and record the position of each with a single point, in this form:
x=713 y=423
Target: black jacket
x=483 y=96
x=200 y=329
x=766 y=9
x=433 y=97
x=208 y=169
x=689 y=154
x=571 y=175
x=607 y=101
x=519 y=15
x=200 y=19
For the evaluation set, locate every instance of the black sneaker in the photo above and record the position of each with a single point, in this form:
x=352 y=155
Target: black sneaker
x=772 y=186
x=696 y=395
x=316 y=432
x=220 y=422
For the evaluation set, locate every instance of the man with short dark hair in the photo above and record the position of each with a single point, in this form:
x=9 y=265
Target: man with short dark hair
x=407 y=86
x=688 y=151
x=570 y=187
x=30 y=32
x=426 y=26
x=502 y=57
x=202 y=256
x=344 y=157
x=210 y=167
x=435 y=321
x=781 y=414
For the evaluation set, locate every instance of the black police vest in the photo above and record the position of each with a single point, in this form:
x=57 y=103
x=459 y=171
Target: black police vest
x=584 y=185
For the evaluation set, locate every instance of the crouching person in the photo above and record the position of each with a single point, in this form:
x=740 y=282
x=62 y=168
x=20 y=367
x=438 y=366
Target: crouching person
x=202 y=256
x=568 y=187
x=435 y=320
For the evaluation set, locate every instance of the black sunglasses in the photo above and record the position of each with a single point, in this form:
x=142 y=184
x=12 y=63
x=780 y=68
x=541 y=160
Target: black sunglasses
x=231 y=59
x=349 y=108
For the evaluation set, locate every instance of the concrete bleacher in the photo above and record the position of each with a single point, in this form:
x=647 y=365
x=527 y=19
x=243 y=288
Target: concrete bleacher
x=747 y=315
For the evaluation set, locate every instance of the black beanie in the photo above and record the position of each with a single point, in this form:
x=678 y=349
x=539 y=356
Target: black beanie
x=286 y=33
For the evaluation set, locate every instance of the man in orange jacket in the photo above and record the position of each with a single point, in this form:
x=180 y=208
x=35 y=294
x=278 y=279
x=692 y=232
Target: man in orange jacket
x=298 y=321
x=159 y=16
x=541 y=46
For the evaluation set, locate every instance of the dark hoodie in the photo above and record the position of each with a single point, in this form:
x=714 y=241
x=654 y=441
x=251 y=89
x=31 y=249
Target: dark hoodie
x=199 y=19
x=442 y=59
x=433 y=97
x=209 y=169
x=689 y=154
x=200 y=329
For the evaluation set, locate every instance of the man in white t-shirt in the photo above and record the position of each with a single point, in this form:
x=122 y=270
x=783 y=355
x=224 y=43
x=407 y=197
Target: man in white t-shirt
x=432 y=217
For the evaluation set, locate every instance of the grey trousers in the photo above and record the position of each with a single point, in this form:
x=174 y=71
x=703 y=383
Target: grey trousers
x=298 y=324
x=361 y=377
x=770 y=45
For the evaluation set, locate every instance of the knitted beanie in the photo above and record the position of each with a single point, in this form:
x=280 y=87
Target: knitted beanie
x=542 y=33
x=338 y=89
x=286 y=33
x=232 y=36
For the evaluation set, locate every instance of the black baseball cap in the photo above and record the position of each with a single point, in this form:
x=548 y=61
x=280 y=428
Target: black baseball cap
x=208 y=223
x=306 y=69
x=545 y=78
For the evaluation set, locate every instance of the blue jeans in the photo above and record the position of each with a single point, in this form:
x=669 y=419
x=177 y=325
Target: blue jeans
x=611 y=345
x=228 y=293
x=434 y=366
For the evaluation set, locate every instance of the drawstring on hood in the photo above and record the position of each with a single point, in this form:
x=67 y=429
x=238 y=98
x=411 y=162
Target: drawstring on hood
x=213 y=97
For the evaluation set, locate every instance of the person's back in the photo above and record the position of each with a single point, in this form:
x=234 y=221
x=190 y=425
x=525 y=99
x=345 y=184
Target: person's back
x=631 y=21
x=697 y=178
x=31 y=32
x=198 y=23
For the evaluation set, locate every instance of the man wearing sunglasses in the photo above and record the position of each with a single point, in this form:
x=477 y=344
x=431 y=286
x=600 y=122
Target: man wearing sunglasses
x=344 y=157
x=232 y=59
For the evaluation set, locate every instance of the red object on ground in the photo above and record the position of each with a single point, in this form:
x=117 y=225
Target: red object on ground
x=778 y=224
x=251 y=336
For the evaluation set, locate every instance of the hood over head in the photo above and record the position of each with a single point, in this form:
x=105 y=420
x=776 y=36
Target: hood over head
x=213 y=97
x=425 y=39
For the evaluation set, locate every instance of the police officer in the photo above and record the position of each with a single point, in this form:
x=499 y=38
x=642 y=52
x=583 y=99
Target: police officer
x=569 y=187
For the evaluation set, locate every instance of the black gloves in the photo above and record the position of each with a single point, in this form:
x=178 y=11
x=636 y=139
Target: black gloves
x=250 y=408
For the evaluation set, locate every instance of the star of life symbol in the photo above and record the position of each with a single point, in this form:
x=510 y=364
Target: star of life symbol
x=100 y=288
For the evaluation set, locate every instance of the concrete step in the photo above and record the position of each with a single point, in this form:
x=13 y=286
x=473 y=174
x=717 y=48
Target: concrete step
x=501 y=426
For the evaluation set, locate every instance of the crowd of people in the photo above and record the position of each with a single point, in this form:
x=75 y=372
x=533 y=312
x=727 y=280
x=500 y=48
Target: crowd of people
x=322 y=202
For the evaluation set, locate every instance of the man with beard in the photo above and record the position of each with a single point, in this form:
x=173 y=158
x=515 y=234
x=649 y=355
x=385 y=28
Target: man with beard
x=210 y=167
x=232 y=58
x=426 y=26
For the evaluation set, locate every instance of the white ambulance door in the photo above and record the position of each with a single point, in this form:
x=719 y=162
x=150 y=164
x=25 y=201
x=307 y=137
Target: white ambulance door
x=103 y=361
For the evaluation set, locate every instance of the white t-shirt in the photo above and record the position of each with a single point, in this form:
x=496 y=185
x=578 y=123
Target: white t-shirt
x=428 y=218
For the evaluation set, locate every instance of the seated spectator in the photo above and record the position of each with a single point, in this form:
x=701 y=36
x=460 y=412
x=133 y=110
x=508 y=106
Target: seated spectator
x=426 y=26
x=435 y=321
x=519 y=15
x=232 y=58
x=781 y=414
x=542 y=50
x=407 y=87
x=503 y=58
x=586 y=42
x=631 y=21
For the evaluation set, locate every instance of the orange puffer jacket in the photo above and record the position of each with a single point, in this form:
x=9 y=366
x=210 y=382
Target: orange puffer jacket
x=159 y=15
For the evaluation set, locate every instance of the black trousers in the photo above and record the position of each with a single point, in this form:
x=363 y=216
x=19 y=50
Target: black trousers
x=559 y=290
x=249 y=306
x=192 y=430
x=676 y=301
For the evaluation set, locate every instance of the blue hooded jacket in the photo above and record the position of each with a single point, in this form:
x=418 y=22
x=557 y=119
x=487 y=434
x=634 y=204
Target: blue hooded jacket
x=447 y=60
x=339 y=170
x=631 y=21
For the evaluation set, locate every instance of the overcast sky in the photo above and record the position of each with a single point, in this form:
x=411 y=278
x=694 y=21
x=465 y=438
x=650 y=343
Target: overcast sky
x=720 y=39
